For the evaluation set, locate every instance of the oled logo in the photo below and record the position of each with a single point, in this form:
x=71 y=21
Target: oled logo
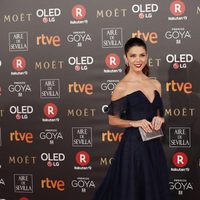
x=180 y=186
x=179 y=61
x=80 y=88
x=84 y=112
x=111 y=137
x=151 y=37
x=177 y=9
x=48 y=15
x=173 y=86
x=81 y=63
x=53 y=160
x=21 y=17
x=49 y=65
x=84 y=183
x=23 y=183
x=19 y=64
x=82 y=159
x=79 y=38
x=79 y=13
x=18 y=41
x=178 y=35
x=180 y=112
x=112 y=61
x=51 y=135
x=106 y=161
x=104 y=108
x=180 y=137
x=180 y=160
x=16 y=136
x=50 y=110
x=49 y=88
x=19 y=160
x=114 y=13
x=21 y=112
x=48 y=40
x=20 y=88
x=109 y=85
x=145 y=10
x=112 y=37
x=53 y=184
x=82 y=137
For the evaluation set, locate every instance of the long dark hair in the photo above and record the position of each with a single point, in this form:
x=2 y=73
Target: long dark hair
x=135 y=42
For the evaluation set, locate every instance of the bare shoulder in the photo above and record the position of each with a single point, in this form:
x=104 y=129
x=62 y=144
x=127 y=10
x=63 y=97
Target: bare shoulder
x=119 y=91
x=157 y=85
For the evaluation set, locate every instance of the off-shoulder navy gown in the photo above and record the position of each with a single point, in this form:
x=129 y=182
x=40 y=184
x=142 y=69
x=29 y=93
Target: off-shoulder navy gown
x=139 y=170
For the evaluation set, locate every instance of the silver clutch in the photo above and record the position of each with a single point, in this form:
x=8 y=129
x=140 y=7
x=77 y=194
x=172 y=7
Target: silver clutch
x=152 y=135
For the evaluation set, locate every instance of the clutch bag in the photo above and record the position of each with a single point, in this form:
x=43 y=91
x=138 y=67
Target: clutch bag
x=150 y=135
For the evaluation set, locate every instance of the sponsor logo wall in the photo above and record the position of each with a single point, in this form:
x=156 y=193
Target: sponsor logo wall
x=60 y=62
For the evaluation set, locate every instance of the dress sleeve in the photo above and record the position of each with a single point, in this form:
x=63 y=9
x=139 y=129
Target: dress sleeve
x=118 y=107
x=161 y=108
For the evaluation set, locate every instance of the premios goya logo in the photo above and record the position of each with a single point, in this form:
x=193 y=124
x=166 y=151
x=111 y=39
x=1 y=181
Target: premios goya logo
x=53 y=159
x=145 y=11
x=20 y=88
x=23 y=183
x=18 y=41
x=83 y=184
x=21 y=112
x=51 y=136
x=48 y=15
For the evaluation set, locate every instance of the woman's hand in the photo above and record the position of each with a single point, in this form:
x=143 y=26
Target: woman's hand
x=146 y=125
x=157 y=122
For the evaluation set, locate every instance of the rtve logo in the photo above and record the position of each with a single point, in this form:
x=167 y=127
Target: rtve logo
x=23 y=137
x=177 y=8
x=48 y=40
x=78 y=12
x=179 y=87
x=80 y=88
x=180 y=159
x=111 y=137
x=50 y=110
x=53 y=184
x=152 y=37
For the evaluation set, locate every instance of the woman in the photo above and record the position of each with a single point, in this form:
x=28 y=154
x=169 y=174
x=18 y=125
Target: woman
x=139 y=170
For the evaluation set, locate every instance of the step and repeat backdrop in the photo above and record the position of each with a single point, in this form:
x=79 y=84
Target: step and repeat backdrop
x=59 y=63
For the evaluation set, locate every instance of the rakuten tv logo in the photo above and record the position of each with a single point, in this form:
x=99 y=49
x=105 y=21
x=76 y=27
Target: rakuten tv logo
x=82 y=159
x=50 y=110
x=180 y=159
x=179 y=87
x=48 y=15
x=112 y=61
x=177 y=8
x=17 y=136
x=53 y=184
x=151 y=37
x=48 y=40
x=79 y=13
x=19 y=64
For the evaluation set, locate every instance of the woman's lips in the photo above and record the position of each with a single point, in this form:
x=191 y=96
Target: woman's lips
x=138 y=65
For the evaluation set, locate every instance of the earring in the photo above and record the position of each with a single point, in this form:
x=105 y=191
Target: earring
x=126 y=63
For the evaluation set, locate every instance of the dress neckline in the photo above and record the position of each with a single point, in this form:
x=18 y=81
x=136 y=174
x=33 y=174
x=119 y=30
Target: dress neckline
x=140 y=91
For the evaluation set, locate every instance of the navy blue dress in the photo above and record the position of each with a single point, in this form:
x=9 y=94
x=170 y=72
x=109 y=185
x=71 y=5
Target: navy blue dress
x=139 y=170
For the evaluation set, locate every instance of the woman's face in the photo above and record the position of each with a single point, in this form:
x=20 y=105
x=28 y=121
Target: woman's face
x=136 y=58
